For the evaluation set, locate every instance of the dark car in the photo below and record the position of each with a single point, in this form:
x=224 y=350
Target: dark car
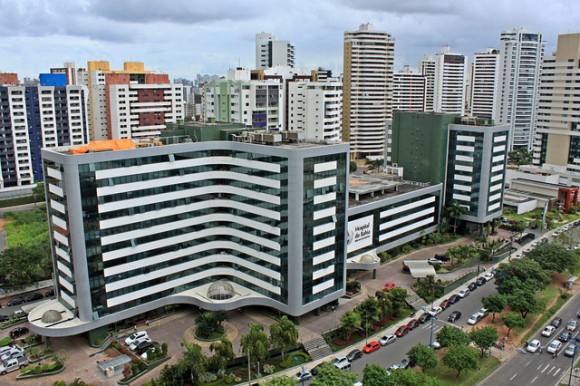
x=144 y=346
x=480 y=281
x=565 y=336
x=425 y=317
x=472 y=286
x=413 y=323
x=315 y=369
x=441 y=257
x=4 y=318
x=15 y=302
x=18 y=332
x=354 y=355
x=454 y=316
x=444 y=304
x=402 y=331
x=556 y=321
x=454 y=299
x=33 y=297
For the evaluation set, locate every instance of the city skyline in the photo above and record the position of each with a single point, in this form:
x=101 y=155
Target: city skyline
x=183 y=39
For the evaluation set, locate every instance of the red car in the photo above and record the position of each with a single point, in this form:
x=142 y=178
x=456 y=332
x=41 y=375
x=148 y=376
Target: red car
x=389 y=286
x=413 y=323
x=371 y=347
x=401 y=331
x=444 y=304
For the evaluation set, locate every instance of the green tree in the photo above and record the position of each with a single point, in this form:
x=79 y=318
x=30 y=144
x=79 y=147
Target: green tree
x=330 y=375
x=281 y=380
x=193 y=362
x=524 y=302
x=255 y=344
x=423 y=356
x=370 y=312
x=554 y=258
x=385 y=303
x=350 y=321
x=23 y=265
x=375 y=375
x=38 y=193
x=409 y=377
x=452 y=336
x=455 y=210
x=284 y=334
x=353 y=166
x=528 y=271
x=494 y=303
x=520 y=156
x=461 y=358
x=484 y=338
x=223 y=353
x=398 y=297
x=209 y=322
x=512 y=321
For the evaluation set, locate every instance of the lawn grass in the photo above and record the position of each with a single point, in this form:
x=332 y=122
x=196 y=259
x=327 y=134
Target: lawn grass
x=26 y=228
x=448 y=376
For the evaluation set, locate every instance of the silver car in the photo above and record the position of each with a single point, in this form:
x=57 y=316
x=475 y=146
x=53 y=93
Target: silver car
x=572 y=325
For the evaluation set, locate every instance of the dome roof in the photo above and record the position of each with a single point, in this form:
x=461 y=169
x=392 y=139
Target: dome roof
x=221 y=290
x=366 y=259
x=51 y=316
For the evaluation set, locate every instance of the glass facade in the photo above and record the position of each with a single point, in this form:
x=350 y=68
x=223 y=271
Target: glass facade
x=160 y=206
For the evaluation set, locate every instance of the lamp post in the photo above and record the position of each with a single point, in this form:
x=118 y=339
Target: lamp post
x=572 y=361
x=249 y=368
x=432 y=316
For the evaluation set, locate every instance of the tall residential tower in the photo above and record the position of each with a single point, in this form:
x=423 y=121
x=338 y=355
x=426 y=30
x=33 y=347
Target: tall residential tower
x=367 y=90
x=273 y=52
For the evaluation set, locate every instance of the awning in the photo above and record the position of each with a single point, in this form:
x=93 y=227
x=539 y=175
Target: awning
x=419 y=268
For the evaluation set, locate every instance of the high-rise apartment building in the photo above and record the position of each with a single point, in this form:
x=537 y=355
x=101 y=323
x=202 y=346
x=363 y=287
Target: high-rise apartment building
x=33 y=118
x=132 y=102
x=367 y=90
x=483 y=85
x=408 y=90
x=467 y=155
x=446 y=80
x=272 y=52
x=557 y=140
x=521 y=54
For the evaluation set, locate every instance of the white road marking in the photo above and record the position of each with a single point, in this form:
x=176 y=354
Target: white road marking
x=513 y=376
x=557 y=371
x=527 y=364
x=545 y=368
x=552 y=369
x=540 y=366
x=534 y=380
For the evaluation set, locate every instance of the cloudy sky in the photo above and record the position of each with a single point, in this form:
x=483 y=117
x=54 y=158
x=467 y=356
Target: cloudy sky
x=187 y=37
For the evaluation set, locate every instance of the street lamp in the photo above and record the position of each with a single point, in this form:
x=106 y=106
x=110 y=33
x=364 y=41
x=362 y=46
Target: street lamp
x=432 y=316
x=572 y=361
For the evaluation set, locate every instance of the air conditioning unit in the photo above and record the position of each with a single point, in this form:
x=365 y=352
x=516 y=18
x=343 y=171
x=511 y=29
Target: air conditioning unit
x=395 y=165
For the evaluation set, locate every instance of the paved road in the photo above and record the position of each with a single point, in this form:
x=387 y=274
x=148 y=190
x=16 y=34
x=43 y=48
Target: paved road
x=539 y=368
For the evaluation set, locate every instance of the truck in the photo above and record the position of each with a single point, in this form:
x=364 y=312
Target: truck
x=13 y=364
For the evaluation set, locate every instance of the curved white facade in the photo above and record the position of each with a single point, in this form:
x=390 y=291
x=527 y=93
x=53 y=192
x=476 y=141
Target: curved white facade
x=134 y=230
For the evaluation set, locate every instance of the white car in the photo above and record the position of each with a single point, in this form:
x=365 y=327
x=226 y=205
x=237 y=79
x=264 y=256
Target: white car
x=572 y=325
x=533 y=346
x=303 y=375
x=387 y=339
x=434 y=261
x=473 y=319
x=435 y=310
x=483 y=312
x=12 y=353
x=137 y=342
x=548 y=331
x=554 y=346
x=341 y=362
x=436 y=345
x=463 y=293
x=488 y=276
x=134 y=336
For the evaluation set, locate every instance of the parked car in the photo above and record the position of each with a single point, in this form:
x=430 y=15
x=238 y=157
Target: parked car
x=13 y=364
x=434 y=261
x=303 y=375
x=371 y=347
x=454 y=316
x=474 y=319
x=556 y=321
x=387 y=339
x=144 y=346
x=341 y=362
x=12 y=352
x=472 y=286
x=533 y=346
x=444 y=304
x=137 y=342
x=402 y=331
x=489 y=276
x=4 y=318
x=435 y=310
x=413 y=323
x=454 y=299
x=424 y=317
x=314 y=370
x=572 y=325
x=463 y=293
x=484 y=312
x=480 y=281
x=436 y=345
x=554 y=346
x=18 y=332
x=405 y=363
x=548 y=331
x=134 y=336
x=441 y=256
x=150 y=350
x=33 y=297
x=389 y=286
x=5 y=349
x=15 y=302
x=569 y=352
x=565 y=336
x=354 y=355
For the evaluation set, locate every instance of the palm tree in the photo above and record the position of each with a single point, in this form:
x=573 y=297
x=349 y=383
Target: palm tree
x=350 y=321
x=284 y=334
x=455 y=210
x=223 y=353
